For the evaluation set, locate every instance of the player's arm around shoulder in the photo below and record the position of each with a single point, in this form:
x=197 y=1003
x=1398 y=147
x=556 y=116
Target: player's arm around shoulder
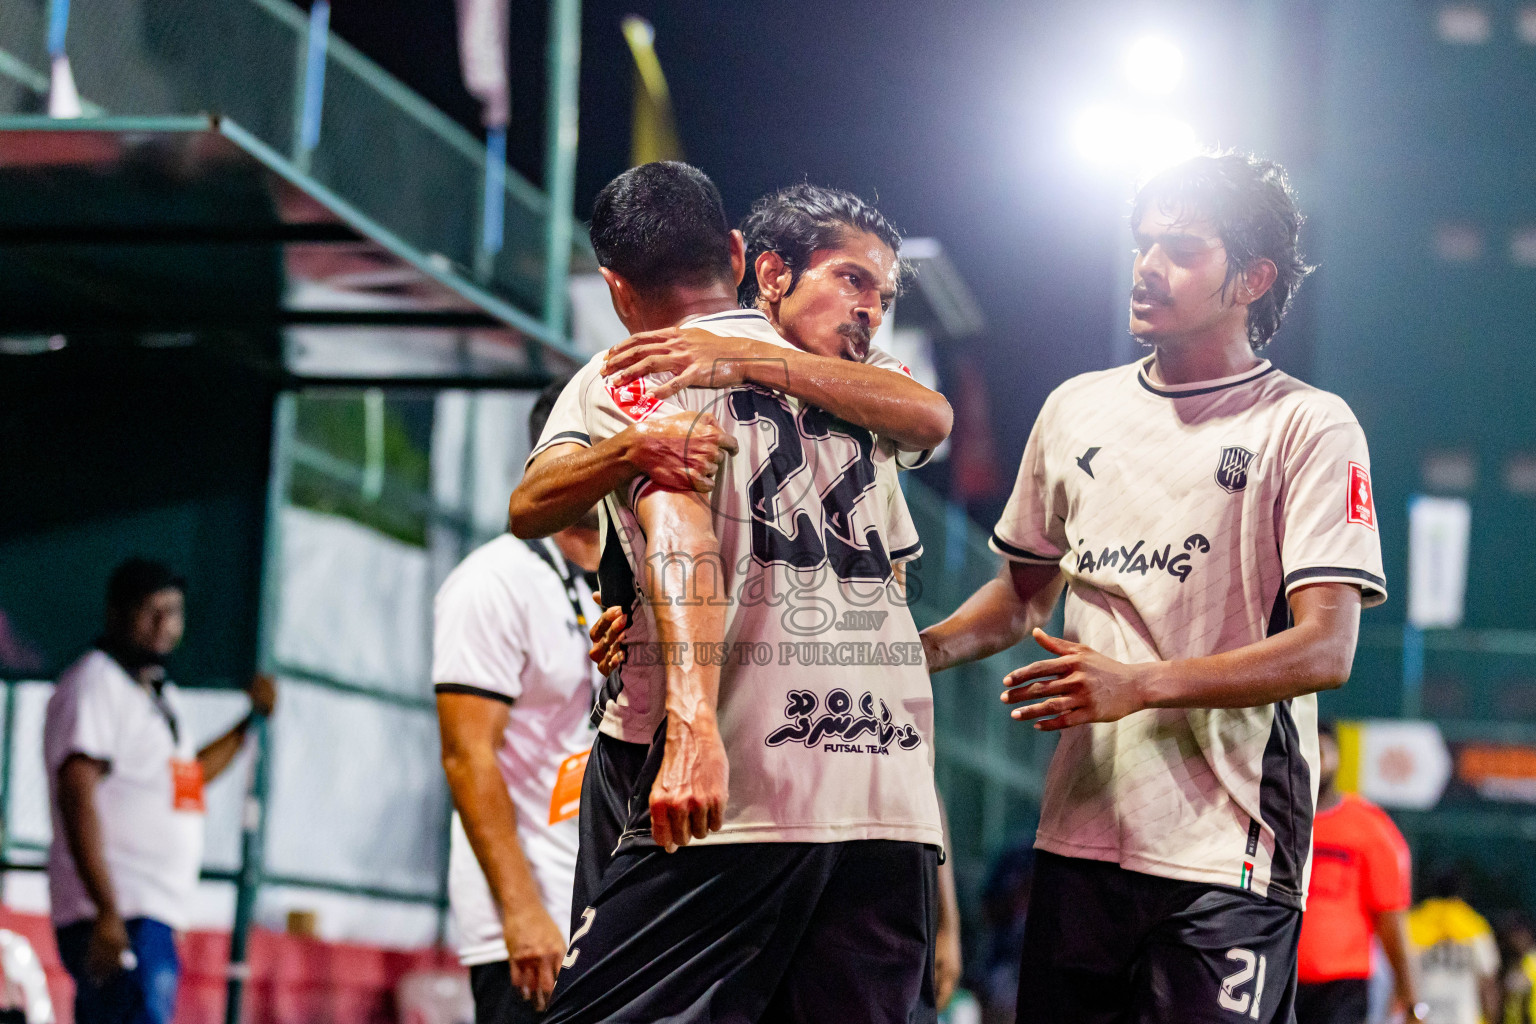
x=876 y=395
x=592 y=445
x=682 y=558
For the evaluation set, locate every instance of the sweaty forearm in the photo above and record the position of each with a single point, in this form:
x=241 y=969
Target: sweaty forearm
x=82 y=833
x=565 y=482
x=686 y=554
x=490 y=821
x=888 y=403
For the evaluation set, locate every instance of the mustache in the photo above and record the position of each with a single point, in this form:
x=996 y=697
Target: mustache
x=857 y=333
x=1146 y=293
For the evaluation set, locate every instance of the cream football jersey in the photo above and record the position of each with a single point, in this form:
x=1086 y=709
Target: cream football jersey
x=1182 y=517
x=825 y=705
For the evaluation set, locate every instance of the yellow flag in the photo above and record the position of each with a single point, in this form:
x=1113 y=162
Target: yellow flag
x=1348 y=736
x=653 y=133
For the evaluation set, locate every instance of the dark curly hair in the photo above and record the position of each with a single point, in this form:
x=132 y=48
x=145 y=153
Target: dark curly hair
x=1254 y=211
x=796 y=221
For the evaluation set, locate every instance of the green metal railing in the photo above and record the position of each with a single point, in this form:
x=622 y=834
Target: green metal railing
x=390 y=158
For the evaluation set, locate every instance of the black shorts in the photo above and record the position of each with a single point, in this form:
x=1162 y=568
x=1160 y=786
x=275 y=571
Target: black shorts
x=606 y=788
x=1342 y=1001
x=495 y=1002
x=782 y=932
x=1103 y=944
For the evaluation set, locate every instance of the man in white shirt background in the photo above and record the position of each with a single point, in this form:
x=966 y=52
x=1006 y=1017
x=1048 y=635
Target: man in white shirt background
x=514 y=697
x=125 y=786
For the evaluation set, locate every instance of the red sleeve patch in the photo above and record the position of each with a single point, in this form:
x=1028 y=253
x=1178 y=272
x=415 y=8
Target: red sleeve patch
x=634 y=399
x=1362 y=507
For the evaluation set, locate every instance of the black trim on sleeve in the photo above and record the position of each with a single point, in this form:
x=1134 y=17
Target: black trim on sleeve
x=919 y=462
x=564 y=437
x=910 y=551
x=473 y=691
x=1013 y=551
x=1330 y=570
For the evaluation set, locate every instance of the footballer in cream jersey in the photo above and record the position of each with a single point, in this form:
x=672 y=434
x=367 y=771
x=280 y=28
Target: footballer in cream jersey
x=1182 y=518
x=825 y=706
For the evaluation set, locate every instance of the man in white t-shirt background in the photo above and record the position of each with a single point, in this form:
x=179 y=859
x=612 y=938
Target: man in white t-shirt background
x=514 y=699
x=125 y=785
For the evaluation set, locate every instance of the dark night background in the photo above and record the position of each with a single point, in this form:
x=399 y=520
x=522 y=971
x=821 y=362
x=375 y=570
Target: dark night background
x=955 y=118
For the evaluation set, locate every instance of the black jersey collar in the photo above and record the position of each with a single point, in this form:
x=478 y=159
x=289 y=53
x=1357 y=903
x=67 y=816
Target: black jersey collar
x=1201 y=387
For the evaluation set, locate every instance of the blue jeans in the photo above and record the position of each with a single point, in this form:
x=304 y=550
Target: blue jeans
x=144 y=995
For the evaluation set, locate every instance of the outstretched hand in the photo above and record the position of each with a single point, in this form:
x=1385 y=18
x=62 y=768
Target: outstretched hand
x=1076 y=687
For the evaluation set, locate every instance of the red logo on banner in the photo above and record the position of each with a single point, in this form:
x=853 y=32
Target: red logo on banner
x=1362 y=507
x=634 y=399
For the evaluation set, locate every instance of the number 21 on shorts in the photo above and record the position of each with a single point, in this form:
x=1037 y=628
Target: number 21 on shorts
x=1232 y=997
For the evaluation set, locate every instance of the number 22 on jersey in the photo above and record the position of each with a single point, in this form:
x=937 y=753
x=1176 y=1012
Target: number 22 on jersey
x=787 y=485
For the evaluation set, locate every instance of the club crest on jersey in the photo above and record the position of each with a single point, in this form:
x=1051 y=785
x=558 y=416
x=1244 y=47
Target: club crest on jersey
x=1362 y=507
x=1232 y=469
x=636 y=401
x=839 y=728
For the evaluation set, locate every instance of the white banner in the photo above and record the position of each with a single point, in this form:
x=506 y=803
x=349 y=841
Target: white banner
x=1439 y=531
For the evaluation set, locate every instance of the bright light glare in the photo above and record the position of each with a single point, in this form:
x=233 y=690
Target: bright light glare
x=1100 y=134
x=1154 y=65
x=1139 y=142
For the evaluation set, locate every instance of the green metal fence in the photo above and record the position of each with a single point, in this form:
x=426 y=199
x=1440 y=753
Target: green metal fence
x=377 y=146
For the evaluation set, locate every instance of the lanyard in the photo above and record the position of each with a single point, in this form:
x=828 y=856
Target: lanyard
x=164 y=707
x=155 y=694
x=567 y=579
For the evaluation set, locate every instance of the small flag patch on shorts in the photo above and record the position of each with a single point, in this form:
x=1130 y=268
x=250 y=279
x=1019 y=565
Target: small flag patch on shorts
x=1246 y=881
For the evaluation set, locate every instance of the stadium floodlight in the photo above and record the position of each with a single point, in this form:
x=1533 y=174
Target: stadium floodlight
x=1100 y=134
x=1141 y=142
x=1154 y=65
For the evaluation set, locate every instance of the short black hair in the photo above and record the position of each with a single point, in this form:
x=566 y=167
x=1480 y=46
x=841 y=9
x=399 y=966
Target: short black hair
x=800 y=219
x=137 y=578
x=543 y=406
x=1251 y=204
x=662 y=225
x=1327 y=727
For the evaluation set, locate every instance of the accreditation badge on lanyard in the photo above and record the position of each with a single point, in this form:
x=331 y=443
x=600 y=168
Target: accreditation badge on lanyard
x=187 y=785
x=186 y=773
x=565 y=798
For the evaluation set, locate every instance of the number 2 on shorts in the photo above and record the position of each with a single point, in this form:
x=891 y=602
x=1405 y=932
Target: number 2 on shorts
x=1229 y=998
x=587 y=917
